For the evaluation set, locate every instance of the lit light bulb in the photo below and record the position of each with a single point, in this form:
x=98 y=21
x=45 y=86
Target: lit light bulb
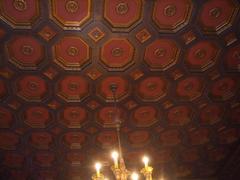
x=134 y=176
x=145 y=160
x=115 y=156
x=98 y=166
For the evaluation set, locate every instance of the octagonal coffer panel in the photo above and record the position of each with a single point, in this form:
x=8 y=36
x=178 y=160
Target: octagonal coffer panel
x=13 y=160
x=211 y=114
x=223 y=89
x=216 y=16
x=199 y=136
x=117 y=54
x=189 y=154
x=41 y=140
x=75 y=158
x=104 y=88
x=44 y=159
x=232 y=58
x=20 y=13
x=161 y=54
x=31 y=88
x=108 y=116
x=172 y=15
x=179 y=115
x=73 y=116
x=139 y=138
x=9 y=140
x=71 y=53
x=217 y=154
x=72 y=88
x=70 y=14
x=171 y=137
x=145 y=116
x=107 y=139
x=25 y=52
x=74 y=140
x=228 y=136
x=123 y=14
x=152 y=88
x=190 y=88
x=202 y=55
x=37 y=116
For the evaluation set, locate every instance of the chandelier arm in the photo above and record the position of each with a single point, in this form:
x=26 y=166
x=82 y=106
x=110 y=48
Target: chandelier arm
x=119 y=142
x=113 y=88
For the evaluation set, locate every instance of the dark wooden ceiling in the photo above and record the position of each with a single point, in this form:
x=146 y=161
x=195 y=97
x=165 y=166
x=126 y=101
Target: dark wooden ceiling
x=176 y=64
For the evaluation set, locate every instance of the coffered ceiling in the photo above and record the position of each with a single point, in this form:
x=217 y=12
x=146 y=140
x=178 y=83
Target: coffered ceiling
x=176 y=65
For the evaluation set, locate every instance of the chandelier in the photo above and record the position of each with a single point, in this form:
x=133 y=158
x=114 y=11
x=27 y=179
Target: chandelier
x=119 y=168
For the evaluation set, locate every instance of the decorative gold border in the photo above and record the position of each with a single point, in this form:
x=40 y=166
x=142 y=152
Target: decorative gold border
x=211 y=63
x=172 y=63
x=72 y=66
x=225 y=96
x=141 y=144
x=226 y=25
x=138 y=37
x=73 y=146
x=24 y=25
x=66 y=97
x=155 y=99
x=49 y=122
x=101 y=144
x=122 y=67
x=68 y=25
x=109 y=125
x=177 y=27
x=27 y=98
x=197 y=95
x=122 y=97
x=133 y=23
x=61 y=119
x=155 y=120
x=96 y=39
x=19 y=65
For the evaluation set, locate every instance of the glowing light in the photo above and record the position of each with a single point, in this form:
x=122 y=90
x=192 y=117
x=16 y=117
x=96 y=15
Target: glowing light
x=115 y=156
x=145 y=160
x=134 y=176
x=98 y=166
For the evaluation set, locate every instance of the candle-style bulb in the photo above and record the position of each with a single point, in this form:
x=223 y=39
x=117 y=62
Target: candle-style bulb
x=98 y=166
x=115 y=156
x=145 y=160
x=134 y=176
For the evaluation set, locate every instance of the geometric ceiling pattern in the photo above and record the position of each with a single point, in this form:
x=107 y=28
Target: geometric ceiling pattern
x=176 y=64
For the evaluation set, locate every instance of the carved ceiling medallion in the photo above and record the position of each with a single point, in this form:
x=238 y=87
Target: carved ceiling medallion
x=122 y=8
x=72 y=6
x=20 y=5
